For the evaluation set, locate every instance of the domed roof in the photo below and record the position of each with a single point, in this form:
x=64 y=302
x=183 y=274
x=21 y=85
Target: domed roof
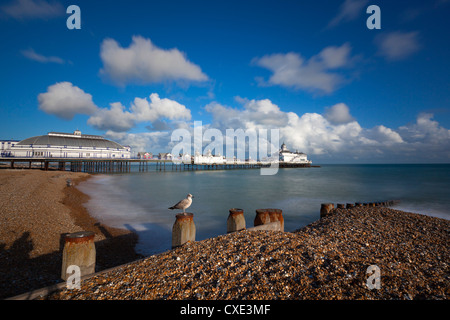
x=70 y=140
x=284 y=148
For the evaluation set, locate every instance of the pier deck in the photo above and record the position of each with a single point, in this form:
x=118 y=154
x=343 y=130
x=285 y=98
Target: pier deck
x=101 y=165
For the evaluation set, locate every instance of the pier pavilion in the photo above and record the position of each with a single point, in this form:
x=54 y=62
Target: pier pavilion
x=68 y=145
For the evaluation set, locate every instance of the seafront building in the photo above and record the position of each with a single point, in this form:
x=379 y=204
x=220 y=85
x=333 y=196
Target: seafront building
x=208 y=158
x=83 y=146
x=165 y=156
x=68 y=145
x=145 y=155
x=5 y=147
x=88 y=153
x=287 y=156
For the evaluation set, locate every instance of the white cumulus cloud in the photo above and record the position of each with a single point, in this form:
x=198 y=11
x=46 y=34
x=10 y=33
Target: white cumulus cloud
x=143 y=62
x=32 y=55
x=256 y=114
x=339 y=113
x=348 y=11
x=397 y=45
x=33 y=9
x=337 y=136
x=157 y=108
x=426 y=130
x=65 y=100
x=144 y=141
x=118 y=119
x=319 y=73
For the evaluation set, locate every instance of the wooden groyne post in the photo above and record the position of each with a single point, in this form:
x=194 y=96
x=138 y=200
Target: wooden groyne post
x=266 y=216
x=326 y=209
x=183 y=229
x=236 y=220
x=79 y=250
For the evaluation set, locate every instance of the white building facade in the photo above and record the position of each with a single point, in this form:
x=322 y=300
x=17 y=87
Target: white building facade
x=68 y=145
x=287 y=156
x=5 y=147
x=208 y=158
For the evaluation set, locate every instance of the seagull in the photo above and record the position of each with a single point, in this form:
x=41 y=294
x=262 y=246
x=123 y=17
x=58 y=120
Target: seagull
x=183 y=204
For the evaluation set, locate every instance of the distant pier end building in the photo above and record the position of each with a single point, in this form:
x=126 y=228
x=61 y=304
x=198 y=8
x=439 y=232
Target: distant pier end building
x=287 y=156
x=69 y=145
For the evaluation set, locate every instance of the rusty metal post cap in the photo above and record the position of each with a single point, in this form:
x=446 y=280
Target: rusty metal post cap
x=184 y=216
x=80 y=234
x=269 y=210
x=235 y=211
x=79 y=237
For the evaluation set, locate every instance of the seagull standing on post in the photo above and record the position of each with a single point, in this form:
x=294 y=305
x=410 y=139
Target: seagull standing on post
x=183 y=204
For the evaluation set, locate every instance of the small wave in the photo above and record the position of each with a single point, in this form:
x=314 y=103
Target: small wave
x=109 y=203
x=424 y=209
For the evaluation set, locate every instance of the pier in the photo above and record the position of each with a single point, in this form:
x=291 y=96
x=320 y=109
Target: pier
x=99 y=165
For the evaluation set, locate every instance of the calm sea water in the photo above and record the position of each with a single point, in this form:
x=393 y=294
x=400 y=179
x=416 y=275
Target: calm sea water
x=139 y=201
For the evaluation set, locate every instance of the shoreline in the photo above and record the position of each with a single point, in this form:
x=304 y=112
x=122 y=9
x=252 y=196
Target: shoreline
x=324 y=260
x=117 y=245
x=37 y=210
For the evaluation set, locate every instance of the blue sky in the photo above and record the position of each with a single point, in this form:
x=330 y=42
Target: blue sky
x=137 y=70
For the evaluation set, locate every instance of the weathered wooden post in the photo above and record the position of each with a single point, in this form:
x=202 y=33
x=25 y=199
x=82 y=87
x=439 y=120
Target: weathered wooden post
x=79 y=250
x=277 y=215
x=236 y=220
x=183 y=229
x=265 y=216
x=326 y=209
x=262 y=217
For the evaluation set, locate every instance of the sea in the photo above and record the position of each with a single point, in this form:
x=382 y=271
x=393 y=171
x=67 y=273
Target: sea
x=139 y=201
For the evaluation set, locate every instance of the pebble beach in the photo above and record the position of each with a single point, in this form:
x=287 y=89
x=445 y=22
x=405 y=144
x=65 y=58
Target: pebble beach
x=325 y=260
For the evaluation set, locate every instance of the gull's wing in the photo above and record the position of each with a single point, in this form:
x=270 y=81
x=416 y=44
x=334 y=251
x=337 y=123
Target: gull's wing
x=180 y=204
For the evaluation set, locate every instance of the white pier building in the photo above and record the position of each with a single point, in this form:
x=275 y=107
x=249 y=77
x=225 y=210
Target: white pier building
x=68 y=145
x=287 y=156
